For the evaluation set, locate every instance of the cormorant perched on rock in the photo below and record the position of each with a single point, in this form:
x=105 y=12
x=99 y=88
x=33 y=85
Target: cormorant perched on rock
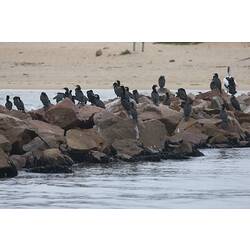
x=161 y=82
x=8 y=104
x=136 y=95
x=45 y=100
x=98 y=102
x=59 y=97
x=128 y=104
x=155 y=96
x=166 y=100
x=231 y=85
x=91 y=96
x=187 y=108
x=224 y=117
x=216 y=83
x=235 y=103
x=181 y=93
x=129 y=94
x=18 y=103
x=117 y=88
x=67 y=92
x=79 y=96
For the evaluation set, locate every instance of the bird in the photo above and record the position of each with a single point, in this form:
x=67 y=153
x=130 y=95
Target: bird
x=181 y=93
x=18 y=103
x=117 y=88
x=129 y=94
x=59 y=97
x=166 y=100
x=231 y=85
x=79 y=96
x=91 y=96
x=187 y=108
x=235 y=103
x=155 y=96
x=128 y=104
x=216 y=83
x=161 y=82
x=45 y=100
x=98 y=102
x=136 y=95
x=8 y=104
x=224 y=117
x=125 y=99
x=67 y=92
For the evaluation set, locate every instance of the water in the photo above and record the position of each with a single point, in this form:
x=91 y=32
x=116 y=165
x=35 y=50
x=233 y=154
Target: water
x=220 y=179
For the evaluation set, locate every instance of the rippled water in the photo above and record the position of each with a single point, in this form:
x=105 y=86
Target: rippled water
x=220 y=179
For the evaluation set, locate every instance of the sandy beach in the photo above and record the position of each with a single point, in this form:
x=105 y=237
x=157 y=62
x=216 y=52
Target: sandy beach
x=55 y=65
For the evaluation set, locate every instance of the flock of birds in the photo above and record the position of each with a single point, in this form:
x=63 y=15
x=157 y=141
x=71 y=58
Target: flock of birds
x=129 y=99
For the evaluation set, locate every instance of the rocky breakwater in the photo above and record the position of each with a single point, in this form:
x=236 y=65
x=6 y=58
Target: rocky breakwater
x=54 y=140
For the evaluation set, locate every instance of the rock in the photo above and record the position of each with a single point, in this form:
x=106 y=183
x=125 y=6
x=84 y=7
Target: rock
x=169 y=117
x=216 y=102
x=172 y=60
x=207 y=96
x=126 y=149
x=152 y=134
x=63 y=114
x=16 y=131
x=86 y=115
x=84 y=140
x=200 y=105
x=5 y=144
x=51 y=135
x=97 y=157
x=98 y=52
x=38 y=114
x=219 y=139
x=6 y=170
x=50 y=161
x=50 y=170
x=35 y=144
x=18 y=161
x=112 y=127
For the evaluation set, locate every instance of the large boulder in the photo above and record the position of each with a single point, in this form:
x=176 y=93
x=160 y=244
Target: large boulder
x=16 y=131
x=5 y=145
x=51 y=135
x=152 y=134
x=126 y=149
x=6 y=169
x=63 y=114
x=112 y=127
x=169 y=117
x=51 y=161
x=84 y=140
x=18 y=161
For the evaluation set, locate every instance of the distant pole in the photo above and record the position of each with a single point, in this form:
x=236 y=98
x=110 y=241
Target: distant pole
x=142 y=47
x=133 y=46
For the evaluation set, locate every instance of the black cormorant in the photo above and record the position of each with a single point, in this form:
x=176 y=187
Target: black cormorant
x=18 y=103
x=79 y=96
x=215 y=83
x=8 y=104
x=235 y=103
x=59 y=97
x=45 y=100
x=161 y=82
x=166 y=99
x=91 y=96
x=136 y=95
x=98 y=102
x=224 y=117
x=181 y=93
x=117 y=88
x=155 y=96
x=187 y=108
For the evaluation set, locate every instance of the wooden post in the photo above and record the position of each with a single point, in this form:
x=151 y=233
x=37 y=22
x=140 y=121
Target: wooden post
x=133 y=46
x=142 y=47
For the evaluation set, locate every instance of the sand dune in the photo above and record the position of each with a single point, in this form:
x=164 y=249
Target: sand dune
x=54 y=65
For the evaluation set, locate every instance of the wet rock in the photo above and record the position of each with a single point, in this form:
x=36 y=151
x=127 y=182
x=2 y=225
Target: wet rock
x=51 y=170
x=126 y=149
x=18 y=161
x=98 y=157
x=16 y=131
x=6 y=169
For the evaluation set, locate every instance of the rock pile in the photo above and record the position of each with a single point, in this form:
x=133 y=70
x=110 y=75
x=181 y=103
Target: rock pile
x=53 y=140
